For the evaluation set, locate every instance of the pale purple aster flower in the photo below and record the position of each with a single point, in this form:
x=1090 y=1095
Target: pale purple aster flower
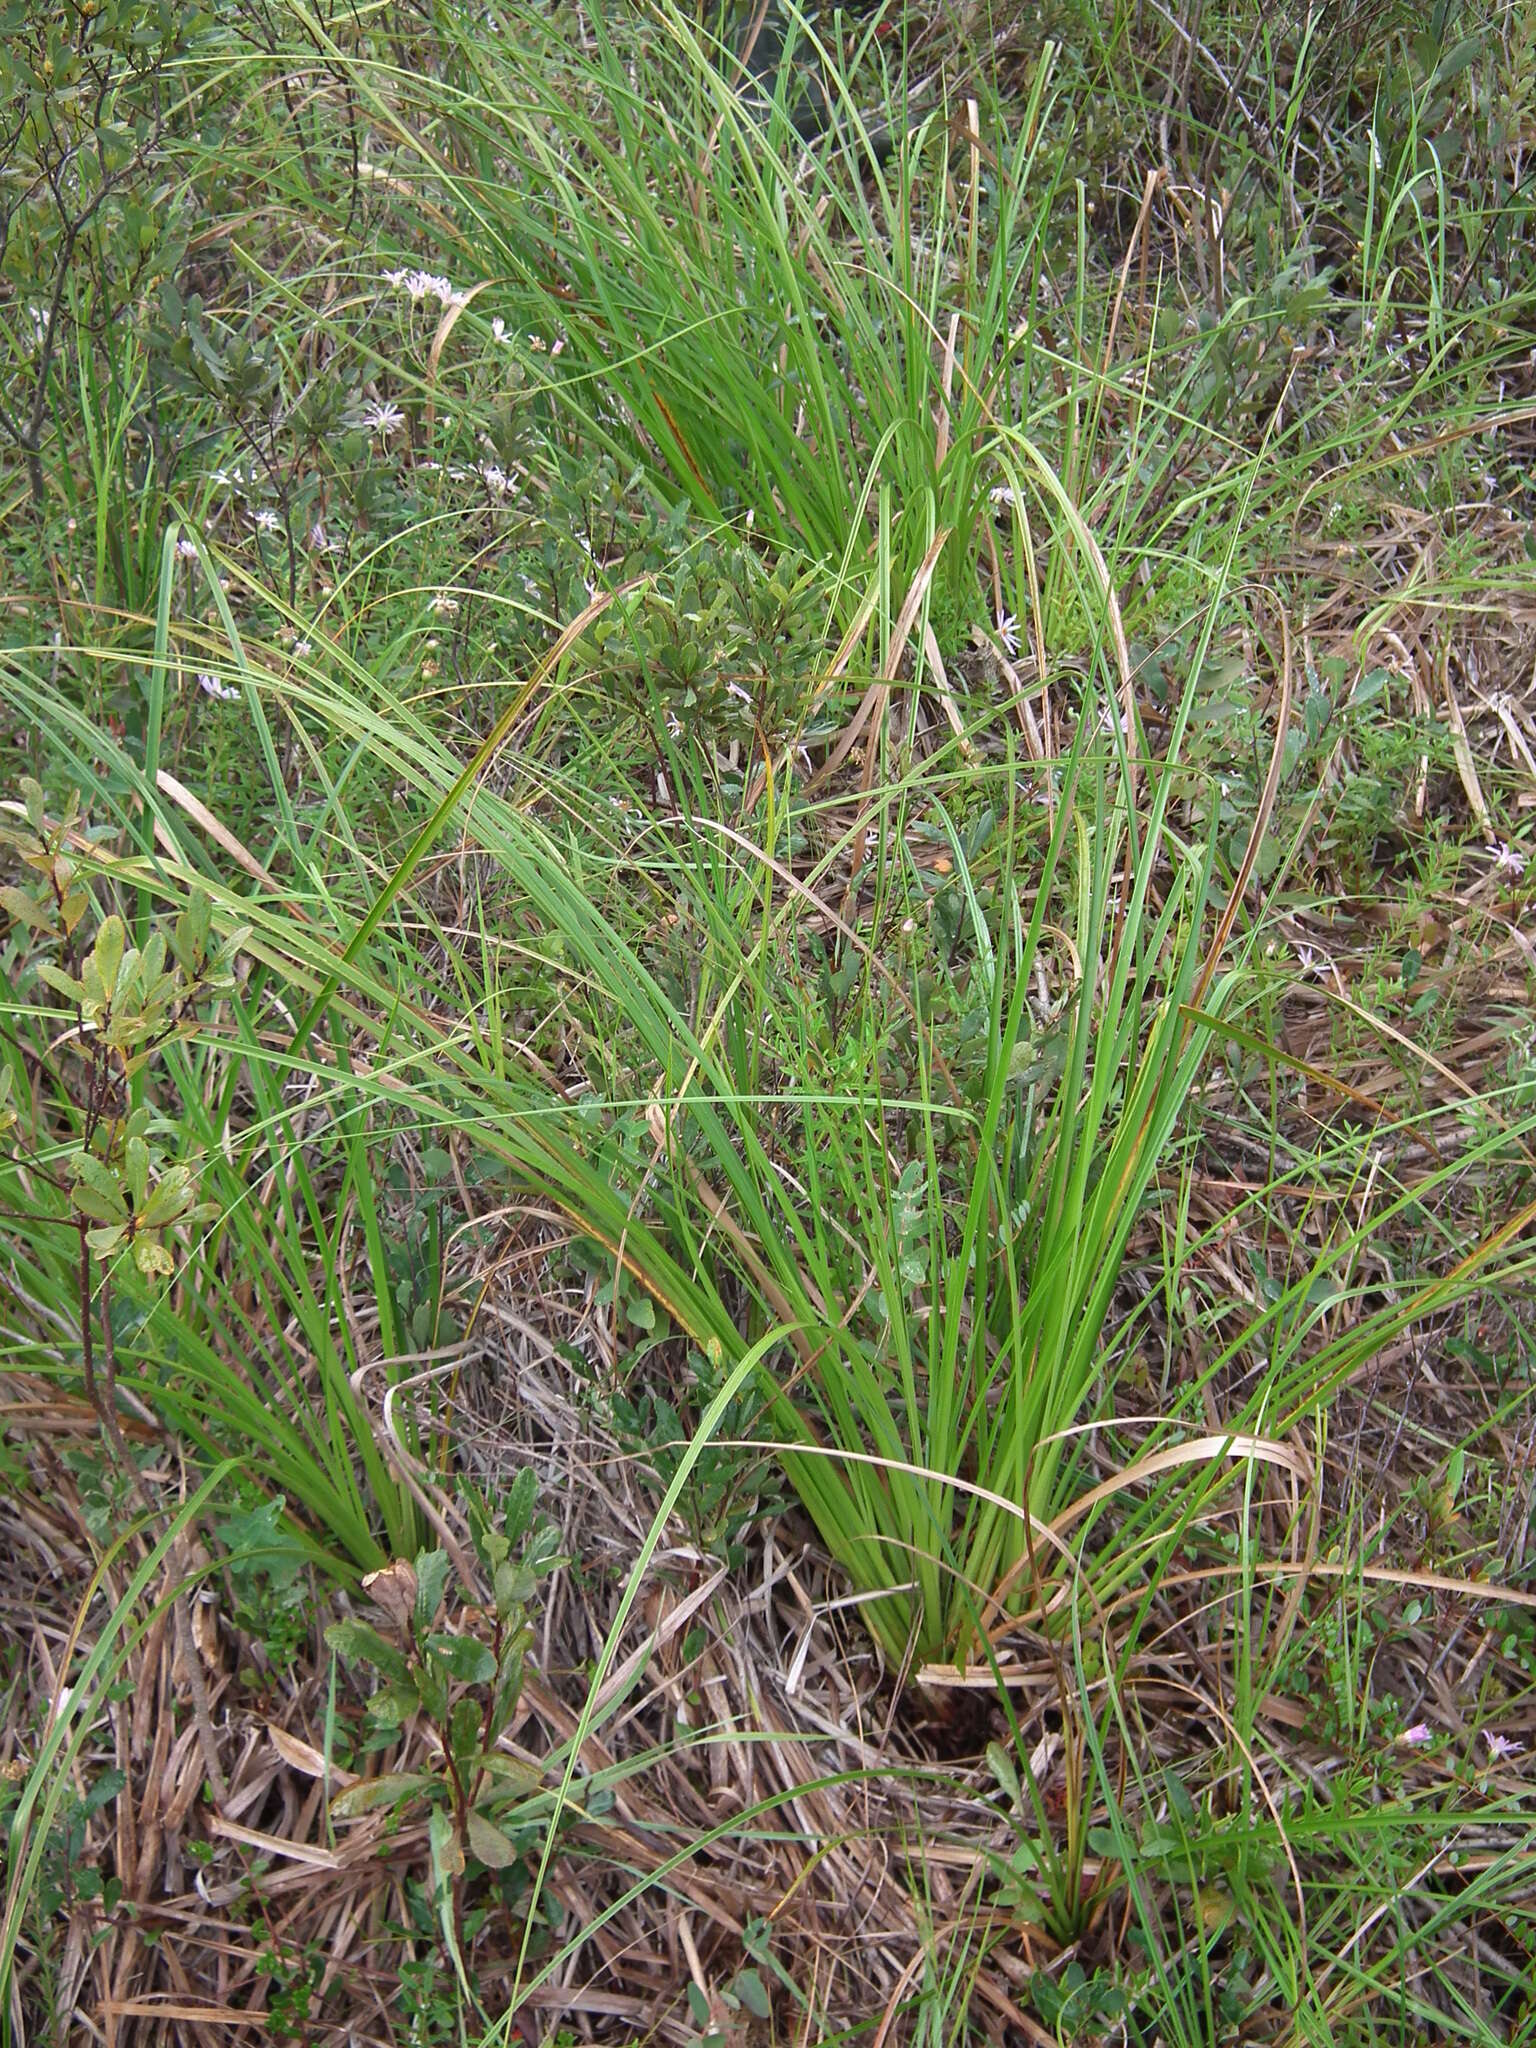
x=1507 y=860
x=187 y=549
x=1416 y=1736
x=1005 y=494
x=211 y=686
x=302 y=650
x=1008 y=632
x=267 y=520
x=495 y=479
x=1501 y=1748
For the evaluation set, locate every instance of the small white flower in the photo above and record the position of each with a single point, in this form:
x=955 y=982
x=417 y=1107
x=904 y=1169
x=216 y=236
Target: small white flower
x=318 y=539
x=267 y=520
x=380 y=417
x=1313 y=963
x=211 y=686
x=187 y=549
x=444 y=605
x=302 y=650
x=423 y=284
x=498 y=329
x=1507 y=860
x=1005 y=494
x=537 y=343
x=495 y=479
x=1008 y=632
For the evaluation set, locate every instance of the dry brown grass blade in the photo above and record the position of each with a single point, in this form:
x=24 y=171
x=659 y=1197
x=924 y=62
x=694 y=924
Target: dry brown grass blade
x=945 y=695
x=309 y=1853
x=221 y=836
x=166 y=2007
x=445 y=326
x=1203 y=1450
x=1461 y=746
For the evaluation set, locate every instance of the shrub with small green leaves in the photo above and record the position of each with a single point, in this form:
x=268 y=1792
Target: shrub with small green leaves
x=94 y=1138
x=89 y=87
x=459 y=1667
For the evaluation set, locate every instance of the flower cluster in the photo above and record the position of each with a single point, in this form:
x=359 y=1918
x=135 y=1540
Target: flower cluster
x=424 y=284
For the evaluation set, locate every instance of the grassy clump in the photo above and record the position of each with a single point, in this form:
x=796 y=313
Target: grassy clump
x=819 y=838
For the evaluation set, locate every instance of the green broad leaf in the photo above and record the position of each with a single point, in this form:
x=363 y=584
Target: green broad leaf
x=1001 y=1765
x=488 y=1844
x=517 y=1515
x=509 y=1771
x=369 y=1795
x=98 y=1181
x=432 y=1568
x=463 y=1657
x=753 y=1994
x=61 y=983
x=360 y=1644
x=136 y=1170
x=1179 y=1800
x=74 y=906
x=432 y=1679
x=25 y=908
x=393 y=1704
x=152 y=1258
x=102 y=1209
x=151 y=966
x=192 y=929
x=447 y=1864
x=107 y=954
x=464 y=1725
x=447 y=1848
x=508 y=1581
x=173 y=1195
